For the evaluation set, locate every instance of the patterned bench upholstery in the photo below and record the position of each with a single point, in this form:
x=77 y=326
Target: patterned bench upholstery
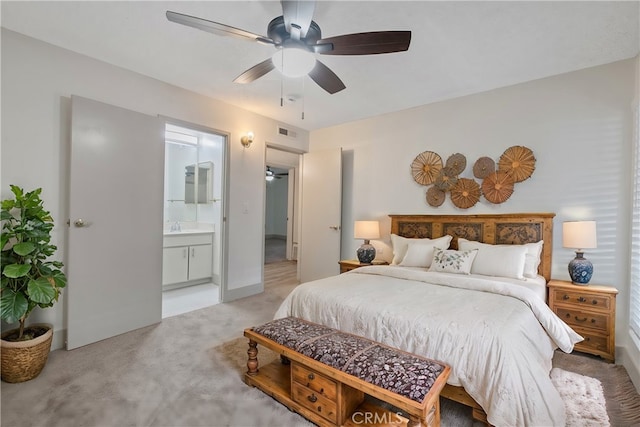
x=399 y=372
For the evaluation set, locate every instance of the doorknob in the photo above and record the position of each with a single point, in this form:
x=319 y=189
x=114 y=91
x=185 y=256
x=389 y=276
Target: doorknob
x=334 y=227
x=79 y=222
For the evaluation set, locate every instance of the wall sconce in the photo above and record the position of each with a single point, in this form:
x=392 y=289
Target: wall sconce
x=247 y=139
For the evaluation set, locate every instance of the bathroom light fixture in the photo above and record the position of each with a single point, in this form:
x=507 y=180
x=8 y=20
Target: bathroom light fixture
x=579 y=235
x=294 y=61
x=247 y=139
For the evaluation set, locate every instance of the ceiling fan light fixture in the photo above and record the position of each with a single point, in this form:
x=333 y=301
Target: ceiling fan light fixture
x=269 y=175
x=294 y=62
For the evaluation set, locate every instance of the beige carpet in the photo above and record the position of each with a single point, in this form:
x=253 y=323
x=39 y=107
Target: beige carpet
x=187 y=370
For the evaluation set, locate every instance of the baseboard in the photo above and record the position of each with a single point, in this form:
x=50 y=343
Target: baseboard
x=243 y=292
x=58 y=342
x=630 y=359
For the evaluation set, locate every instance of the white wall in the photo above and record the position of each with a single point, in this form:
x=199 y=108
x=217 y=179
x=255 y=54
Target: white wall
x=579 y=126
x=37 y=82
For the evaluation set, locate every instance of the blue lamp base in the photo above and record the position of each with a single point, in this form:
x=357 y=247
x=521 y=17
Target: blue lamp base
x=580 y=270
x=366 y=253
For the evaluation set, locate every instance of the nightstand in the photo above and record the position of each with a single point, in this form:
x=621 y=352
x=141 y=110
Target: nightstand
x=350 y=264
x=590 y=311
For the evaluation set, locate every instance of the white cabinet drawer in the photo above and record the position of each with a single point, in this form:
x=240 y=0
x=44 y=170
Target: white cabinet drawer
x=187 y=240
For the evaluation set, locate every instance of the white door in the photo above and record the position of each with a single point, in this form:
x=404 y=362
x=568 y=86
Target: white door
x=321 y=214
x=115 y=234
x=291 y=211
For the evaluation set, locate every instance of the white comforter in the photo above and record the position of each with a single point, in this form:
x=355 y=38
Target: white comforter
x=498 y=338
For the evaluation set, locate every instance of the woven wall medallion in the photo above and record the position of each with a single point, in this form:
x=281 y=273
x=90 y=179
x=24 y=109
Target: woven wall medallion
x=457 y=163
x=465 y=193
x=446 y=179
x=498 y=187
x=435 y=196
x=483 y=167
x=517 y=161
x=426 y=167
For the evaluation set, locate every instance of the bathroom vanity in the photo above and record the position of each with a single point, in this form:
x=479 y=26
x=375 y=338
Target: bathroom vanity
x=187 y=258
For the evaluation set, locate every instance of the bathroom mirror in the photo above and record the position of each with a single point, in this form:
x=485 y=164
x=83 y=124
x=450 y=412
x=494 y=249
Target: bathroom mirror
x=198 y=183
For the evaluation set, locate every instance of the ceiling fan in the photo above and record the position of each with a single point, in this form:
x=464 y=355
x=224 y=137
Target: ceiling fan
x=270 y=175
x=298 y=38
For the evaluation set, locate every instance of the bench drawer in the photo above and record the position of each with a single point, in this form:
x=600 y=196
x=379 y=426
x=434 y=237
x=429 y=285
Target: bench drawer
x=315 y=381
x=315 y=402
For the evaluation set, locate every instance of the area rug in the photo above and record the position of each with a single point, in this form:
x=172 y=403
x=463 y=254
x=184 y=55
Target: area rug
x=583 y=399
x=583 y=396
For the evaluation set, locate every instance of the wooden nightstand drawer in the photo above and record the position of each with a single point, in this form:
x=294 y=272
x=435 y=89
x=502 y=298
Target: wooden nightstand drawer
x=322 y=385
x=593 y=301
x=312 y=400
x=576 y=317
x=593 y=343
x=590 y=311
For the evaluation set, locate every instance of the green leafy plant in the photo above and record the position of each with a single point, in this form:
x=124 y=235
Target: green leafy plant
x=29 y=280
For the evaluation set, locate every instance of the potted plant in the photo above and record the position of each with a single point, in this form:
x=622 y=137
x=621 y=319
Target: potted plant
x=29 y=280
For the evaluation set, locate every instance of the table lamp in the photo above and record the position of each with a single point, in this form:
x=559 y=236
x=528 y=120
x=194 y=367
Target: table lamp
x=366 y=230
x=579 y=235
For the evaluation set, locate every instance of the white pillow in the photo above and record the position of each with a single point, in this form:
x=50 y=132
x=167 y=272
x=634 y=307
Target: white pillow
x=496 y=260
x=532 y=259
x=451 y=261
x=400 y=245
x=420 y=251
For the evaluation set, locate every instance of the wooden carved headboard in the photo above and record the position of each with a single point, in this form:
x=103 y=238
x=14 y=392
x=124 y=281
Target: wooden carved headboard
x=499 y=229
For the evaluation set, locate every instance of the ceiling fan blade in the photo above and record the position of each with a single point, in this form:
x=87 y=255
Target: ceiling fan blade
x=299 y=13
x=368 y=43
x=216 y=27
x=325 y=78
x=255 y=72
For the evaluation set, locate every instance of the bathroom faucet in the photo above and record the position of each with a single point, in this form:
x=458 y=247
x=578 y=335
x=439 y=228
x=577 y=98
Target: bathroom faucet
x=176 y=226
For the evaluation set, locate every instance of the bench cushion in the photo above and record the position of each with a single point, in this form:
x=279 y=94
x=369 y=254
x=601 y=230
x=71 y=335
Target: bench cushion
x=405 y=374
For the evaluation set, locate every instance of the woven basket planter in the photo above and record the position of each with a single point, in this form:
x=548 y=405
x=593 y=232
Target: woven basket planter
x=24 y=360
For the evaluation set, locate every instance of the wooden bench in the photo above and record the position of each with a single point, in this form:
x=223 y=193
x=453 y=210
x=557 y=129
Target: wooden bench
x=330 y=372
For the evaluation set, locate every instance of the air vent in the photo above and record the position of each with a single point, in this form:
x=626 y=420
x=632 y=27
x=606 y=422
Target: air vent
x=283 y=131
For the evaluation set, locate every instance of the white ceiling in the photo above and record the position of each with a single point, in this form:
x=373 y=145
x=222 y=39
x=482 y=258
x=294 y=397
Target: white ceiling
x=457 y=48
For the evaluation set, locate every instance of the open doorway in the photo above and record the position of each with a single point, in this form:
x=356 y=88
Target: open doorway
x=194 y=184
x=276 y=215
x=281 y=205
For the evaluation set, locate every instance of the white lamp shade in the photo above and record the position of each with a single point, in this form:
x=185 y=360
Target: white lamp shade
x=579 y=234
x=366 y=230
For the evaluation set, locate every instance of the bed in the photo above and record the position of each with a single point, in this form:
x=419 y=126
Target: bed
x=497 y=333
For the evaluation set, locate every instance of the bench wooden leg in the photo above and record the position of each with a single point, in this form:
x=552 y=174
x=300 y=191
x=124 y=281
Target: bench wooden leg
x=430 y=418
x=252 y=362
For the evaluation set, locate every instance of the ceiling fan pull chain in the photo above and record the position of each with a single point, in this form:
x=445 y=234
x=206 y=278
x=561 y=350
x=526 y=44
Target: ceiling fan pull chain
x=303 y=89
x=282 y=84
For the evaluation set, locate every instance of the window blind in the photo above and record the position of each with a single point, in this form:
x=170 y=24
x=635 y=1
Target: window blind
x=634 y=304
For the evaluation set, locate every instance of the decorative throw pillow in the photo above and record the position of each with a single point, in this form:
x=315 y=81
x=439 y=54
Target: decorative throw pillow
x=418 y=255
x=450 y=261
x=532 y=259
x=496 y=260
x=401 y=244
